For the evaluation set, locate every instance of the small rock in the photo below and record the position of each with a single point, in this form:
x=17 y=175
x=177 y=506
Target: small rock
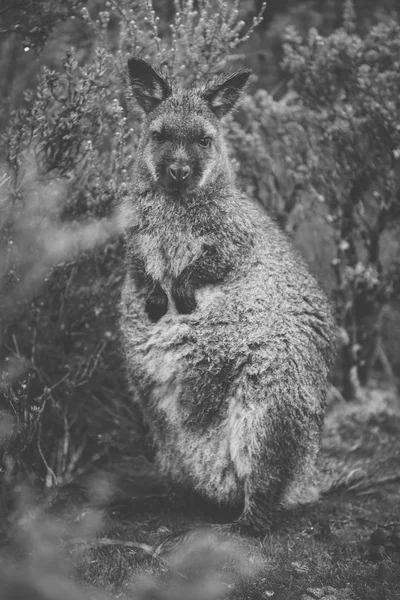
x=328 y=589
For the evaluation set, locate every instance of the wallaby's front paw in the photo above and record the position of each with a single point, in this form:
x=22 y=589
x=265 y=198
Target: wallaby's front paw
x=183 y=294
x=156 y=304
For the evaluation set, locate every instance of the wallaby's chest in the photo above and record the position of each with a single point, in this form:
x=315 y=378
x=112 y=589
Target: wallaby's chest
x=166 y=251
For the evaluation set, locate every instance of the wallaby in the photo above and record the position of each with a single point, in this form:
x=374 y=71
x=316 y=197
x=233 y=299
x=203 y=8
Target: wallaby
x=227 y=336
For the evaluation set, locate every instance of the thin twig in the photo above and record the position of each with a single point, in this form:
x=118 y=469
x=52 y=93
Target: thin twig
x=46 y=464
x=64 y=296
x=365 y=486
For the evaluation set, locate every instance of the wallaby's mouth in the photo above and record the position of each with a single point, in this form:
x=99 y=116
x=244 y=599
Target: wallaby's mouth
x=179 y=187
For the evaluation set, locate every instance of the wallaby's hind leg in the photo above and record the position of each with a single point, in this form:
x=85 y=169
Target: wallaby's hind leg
x=268 y=462
x=270 y=451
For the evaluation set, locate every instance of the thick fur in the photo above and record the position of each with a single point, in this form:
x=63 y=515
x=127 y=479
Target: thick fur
x=227 y=336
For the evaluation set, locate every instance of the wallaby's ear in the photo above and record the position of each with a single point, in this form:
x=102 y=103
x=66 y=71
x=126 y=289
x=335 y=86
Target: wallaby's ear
x=223 y=96
x=149 y=88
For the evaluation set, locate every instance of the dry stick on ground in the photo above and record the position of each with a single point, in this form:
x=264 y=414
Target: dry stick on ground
x=366 y=486
x=343 y=482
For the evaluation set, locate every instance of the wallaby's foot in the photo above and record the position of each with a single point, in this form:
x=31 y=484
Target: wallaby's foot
x=229 y=529
x=156 y=303
x=236 y=530
x=183 y=293
x=175 y=540
x=243 y=528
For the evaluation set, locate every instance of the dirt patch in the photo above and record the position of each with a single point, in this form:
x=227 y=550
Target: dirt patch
x=346 y=546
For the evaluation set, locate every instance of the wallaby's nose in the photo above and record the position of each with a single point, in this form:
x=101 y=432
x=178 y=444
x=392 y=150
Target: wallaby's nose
x=178 y=172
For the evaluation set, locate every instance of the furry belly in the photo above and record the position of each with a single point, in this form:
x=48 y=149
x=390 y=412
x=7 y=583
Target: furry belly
x=197 y=458
x=202 y=463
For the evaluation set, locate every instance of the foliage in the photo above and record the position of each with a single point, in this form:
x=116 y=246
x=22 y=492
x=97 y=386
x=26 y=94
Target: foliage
x=351 y=86
x=325 y=550
x=331 y=149
x=34 y=20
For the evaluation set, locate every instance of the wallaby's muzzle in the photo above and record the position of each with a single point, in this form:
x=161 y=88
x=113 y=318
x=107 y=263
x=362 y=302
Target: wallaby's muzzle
x=179 y=176
x=179 y=172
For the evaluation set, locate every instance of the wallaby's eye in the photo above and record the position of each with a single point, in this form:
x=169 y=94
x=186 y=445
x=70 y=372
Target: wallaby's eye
x=158 y=136
x=205 y=142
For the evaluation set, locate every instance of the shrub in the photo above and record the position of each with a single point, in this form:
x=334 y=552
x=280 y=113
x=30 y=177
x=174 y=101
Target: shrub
x=329 y=151
x=34 y=20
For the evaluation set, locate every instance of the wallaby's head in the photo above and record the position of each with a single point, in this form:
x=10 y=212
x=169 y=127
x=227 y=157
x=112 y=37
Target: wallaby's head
x=182 y=146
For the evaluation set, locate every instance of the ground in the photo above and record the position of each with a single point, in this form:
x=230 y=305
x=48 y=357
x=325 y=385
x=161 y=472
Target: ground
x=346 y=546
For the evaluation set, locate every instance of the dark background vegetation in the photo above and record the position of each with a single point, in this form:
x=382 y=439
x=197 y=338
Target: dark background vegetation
x=317 y=142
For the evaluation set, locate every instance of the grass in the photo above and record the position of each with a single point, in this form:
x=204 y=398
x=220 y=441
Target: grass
x=97 y=537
